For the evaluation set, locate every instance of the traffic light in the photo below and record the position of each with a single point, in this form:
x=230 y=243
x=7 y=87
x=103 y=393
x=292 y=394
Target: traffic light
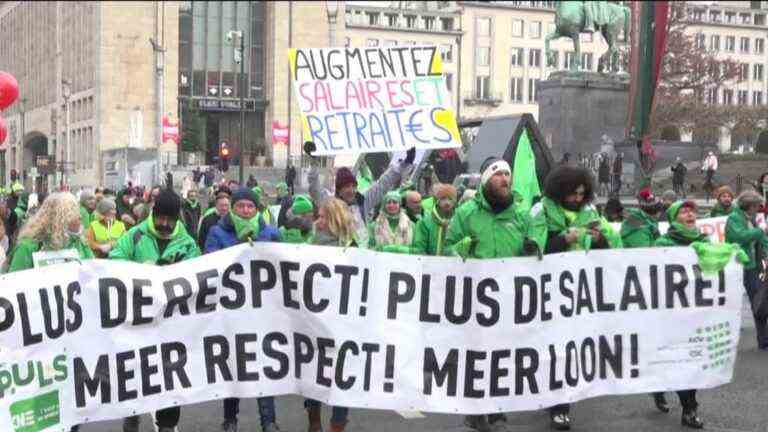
x=224 y=156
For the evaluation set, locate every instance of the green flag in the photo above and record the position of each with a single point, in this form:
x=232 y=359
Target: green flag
x=364 y=178
x=525 y=183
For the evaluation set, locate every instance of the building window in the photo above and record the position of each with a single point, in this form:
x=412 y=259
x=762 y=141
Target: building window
x=429 y=23
x=372 y=42
x=743 y=72
x=714 y=42
x=746 y=18
x=744 y=45
x=391 y=20
x=757 y=72
x=373 y=18
x=446 y=24
x=715 y=17
x=483 y=56
x=700 y=40
x=730 y=18
x=570 y=60
x=449 y=81
x=757 y=98
x=516 y=57
x=484 y=27
x=730 y=43
x=759 y=46
x=727 y=97
x=482 y=87
x=586 y=61
x=532 y=84
x=534 y=29
x=446 y=53
x=517 y=28
x=390 y=43
x=760 y=19
x=743 y=97
x=516 y=90
x=534 y=57
x=410 y=21
x=712 y=96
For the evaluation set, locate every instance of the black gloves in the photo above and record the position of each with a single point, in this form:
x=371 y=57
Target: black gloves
x=309 y=148
x=410 y=156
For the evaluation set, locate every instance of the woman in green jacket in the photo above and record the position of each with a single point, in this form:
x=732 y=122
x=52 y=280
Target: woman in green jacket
x=299 y=220
x=431 y=231
x=55 y=229
x=682 y=232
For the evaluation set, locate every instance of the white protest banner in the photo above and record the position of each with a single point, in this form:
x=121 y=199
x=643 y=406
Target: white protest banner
x=376 y=99
x=104 y=339
x=714 y=228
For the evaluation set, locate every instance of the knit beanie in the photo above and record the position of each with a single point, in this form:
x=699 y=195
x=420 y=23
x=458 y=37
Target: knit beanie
x=391 y=196
x=302 y=204
x=167 y=203
x=445 y=191
x=243 y=193
x=723 y=190
x=674 y=209
x=105 y=205
x=344 y=177
x=491 y=166
x=258 y=192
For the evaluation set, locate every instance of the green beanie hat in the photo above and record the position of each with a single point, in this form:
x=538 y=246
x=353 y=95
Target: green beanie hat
x=674 y=209
x=259 y=192
x=391 y=196
x=302 y=204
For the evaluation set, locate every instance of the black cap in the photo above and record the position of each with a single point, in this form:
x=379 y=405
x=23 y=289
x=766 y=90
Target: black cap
x=167 y=203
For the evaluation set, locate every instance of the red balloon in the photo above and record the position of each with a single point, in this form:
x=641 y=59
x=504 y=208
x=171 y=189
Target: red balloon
x=3 y=131
x=9 y=90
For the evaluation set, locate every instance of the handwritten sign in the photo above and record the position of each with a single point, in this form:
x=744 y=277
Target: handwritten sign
x=364 y=100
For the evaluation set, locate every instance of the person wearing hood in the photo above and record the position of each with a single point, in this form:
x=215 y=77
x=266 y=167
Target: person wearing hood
x=431 y=231
x=565 y=220
x=641 y=227
x=334 y=227
x=281 y=193
x=87 y=207
x=300 y=219
x=243 y=224
x=160 y=240
x=360 y=204
x=724 y=205
x=742 y=229
x=392 y=230
x=682 y=232
x=413 y=208
x=104 y=231
x=190 y=212
x=489 y=226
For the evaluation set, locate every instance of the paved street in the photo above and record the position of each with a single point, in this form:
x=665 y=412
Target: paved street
x=737 y=407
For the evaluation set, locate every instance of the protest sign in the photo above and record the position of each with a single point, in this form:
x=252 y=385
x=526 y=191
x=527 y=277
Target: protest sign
x=714 y=228
x=105 y=339
x=376 y=99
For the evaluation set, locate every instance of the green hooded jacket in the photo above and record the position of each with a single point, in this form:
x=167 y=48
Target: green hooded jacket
x=639 y=229
x=477 y=232
x=140 y=245
x=429 y=235
x=738 y=231
x=548 y=216
x=21 y=258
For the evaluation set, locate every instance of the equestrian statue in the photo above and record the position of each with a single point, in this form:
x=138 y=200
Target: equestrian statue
x=575 y=17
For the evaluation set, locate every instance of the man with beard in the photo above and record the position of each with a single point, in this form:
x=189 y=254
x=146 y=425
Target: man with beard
x=159 y=240
x=565 y=220
x=490 y=226
x=641 y=227
x=430 y=232
x=413 y=205
x=724 y=205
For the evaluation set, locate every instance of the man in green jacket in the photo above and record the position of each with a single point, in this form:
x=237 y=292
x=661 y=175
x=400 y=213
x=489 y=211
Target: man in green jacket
x=430 y=233
x=641 y=226
x=724 y=205
x=159 y=240
x=742 y=229
x=490 y=226
x=299 y=220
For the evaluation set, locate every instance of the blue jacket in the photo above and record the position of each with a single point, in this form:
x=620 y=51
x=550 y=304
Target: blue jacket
x=222 y=235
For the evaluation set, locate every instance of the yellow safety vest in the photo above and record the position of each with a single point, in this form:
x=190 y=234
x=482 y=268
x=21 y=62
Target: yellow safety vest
x=103 y=234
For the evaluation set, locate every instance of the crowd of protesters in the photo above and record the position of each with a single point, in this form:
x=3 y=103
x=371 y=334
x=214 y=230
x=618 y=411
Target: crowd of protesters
x=157 y=226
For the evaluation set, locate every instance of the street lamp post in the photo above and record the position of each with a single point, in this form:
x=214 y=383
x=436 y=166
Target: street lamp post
x=332 y=10
x=236 y=36
x=159 y=51
x=66 y=93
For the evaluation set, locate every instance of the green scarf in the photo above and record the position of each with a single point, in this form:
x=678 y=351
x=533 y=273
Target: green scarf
x=683 y=235
x=245 y=229
x=442 y=226
x=153 y=231
x=193 y=204
x=559 y=219
x=714 y=257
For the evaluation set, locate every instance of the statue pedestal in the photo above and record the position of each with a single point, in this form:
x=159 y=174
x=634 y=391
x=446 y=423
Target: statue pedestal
x=577 y=108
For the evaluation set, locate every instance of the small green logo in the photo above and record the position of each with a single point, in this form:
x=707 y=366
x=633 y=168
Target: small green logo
x=37 y=413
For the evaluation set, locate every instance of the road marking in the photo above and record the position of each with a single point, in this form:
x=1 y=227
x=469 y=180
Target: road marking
x=411 y=414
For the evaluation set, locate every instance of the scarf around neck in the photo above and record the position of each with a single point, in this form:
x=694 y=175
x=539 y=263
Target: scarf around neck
x=245 y=229
x=683 y=235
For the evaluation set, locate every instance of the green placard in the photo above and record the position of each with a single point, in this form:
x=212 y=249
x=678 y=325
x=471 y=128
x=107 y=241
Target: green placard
x=37 y=413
